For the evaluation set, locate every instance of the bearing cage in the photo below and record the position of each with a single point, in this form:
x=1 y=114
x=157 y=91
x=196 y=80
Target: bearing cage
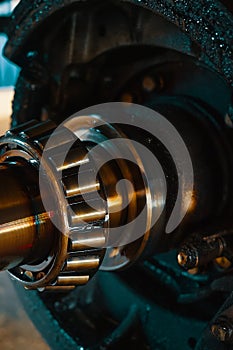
x=62 y=271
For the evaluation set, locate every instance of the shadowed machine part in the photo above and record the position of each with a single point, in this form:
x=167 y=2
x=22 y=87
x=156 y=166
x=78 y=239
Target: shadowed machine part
x=72 y=190
x=86 y=212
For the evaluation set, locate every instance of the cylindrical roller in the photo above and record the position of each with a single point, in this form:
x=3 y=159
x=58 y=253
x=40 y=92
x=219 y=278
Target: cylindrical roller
x=85 y=213
x=93 y=239
x=73 y=188
x=72 y=280
x=77 y=264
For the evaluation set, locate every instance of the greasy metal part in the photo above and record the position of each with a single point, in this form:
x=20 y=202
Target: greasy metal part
x=47 y=257
x=222 y=329
x=80 y=316
x=202 y=249
x=76 y=255
x=75 y=212
x=97 y=216
x=201 y=207
x=218 y=335
x=195 y=255
x=82 y=223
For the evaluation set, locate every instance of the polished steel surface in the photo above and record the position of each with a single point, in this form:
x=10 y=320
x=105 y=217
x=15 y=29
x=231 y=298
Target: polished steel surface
x=77 y=264
x=82 y=240
x=72 y=280
x=50 y=261
x=23 y=227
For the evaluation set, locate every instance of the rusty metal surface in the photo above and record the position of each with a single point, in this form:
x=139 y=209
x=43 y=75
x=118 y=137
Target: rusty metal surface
x=16 y=330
